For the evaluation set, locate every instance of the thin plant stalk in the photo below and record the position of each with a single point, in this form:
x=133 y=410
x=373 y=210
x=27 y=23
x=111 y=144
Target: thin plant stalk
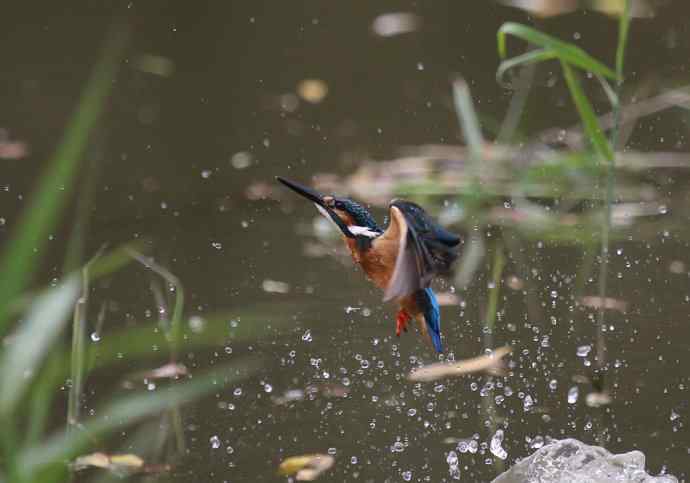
x=499 y=262
x=175 y=333
x=517 y=105
x=585 y=269
x=488 y=403
x=600 y=355
x=78 y=352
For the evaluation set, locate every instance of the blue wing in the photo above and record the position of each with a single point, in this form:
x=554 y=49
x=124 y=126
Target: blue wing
x=426 y=300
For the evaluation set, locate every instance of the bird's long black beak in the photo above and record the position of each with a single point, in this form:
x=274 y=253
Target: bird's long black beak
x=317 y=198
x=308 y=193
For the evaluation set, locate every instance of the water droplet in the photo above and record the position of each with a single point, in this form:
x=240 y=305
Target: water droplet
x=268 y=388
x=206 y=173
x=584 y=350
x=306 y=337
x=453 y=465
x=95 y=336
x=527 y=403
x=215 y=442
x=407 y=475
x=397 y=447
x=412 y=411
x=537 y=442
x=495 y=446
x=573 y=394
x=217 y=245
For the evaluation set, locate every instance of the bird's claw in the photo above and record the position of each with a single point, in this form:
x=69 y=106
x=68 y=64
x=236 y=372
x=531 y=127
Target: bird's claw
x=401 y=322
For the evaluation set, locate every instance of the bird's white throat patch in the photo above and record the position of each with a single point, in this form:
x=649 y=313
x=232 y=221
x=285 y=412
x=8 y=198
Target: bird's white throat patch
x=362 y=230
x=354 y=229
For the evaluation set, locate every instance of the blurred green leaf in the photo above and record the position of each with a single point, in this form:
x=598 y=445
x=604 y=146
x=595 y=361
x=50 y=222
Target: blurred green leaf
x=567 y=52
x=586 y=111
x=43 y=394
x=468 y=118
x=29 y=345
x=65 y=445
x=21 y=255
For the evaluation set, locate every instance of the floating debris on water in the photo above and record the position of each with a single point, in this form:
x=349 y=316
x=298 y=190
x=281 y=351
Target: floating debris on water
x=306 y=467
x=312 y=90
x=608 y=303
x=598 y=399
x=121 y=465
x=395 y=23
x=488 y=362
x=274 y=286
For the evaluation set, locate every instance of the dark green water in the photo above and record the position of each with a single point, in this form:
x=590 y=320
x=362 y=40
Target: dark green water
x=164 y=153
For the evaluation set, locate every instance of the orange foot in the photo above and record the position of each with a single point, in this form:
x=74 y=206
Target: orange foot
x=401 y=322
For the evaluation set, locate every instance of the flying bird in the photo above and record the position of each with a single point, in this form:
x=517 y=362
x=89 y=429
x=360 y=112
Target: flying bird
x=401 y=258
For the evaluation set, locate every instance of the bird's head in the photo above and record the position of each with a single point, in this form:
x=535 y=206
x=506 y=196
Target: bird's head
x=349 y=216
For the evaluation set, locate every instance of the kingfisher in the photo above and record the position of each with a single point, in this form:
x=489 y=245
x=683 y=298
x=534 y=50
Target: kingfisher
x=401 y=258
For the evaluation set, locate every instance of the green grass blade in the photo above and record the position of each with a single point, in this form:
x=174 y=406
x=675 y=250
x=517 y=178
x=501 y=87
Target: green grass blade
x=29 y=345
x=532 y=57
x=468 y=118
x=589 y=119
x=21 y=256
x=623 y=27
x=64 y=445
x=566 y=52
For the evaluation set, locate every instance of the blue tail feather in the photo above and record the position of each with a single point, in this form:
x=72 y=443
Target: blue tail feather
x=429 y=306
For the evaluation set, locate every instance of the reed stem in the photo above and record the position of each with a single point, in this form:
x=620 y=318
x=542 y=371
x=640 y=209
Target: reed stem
x=600 y=354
